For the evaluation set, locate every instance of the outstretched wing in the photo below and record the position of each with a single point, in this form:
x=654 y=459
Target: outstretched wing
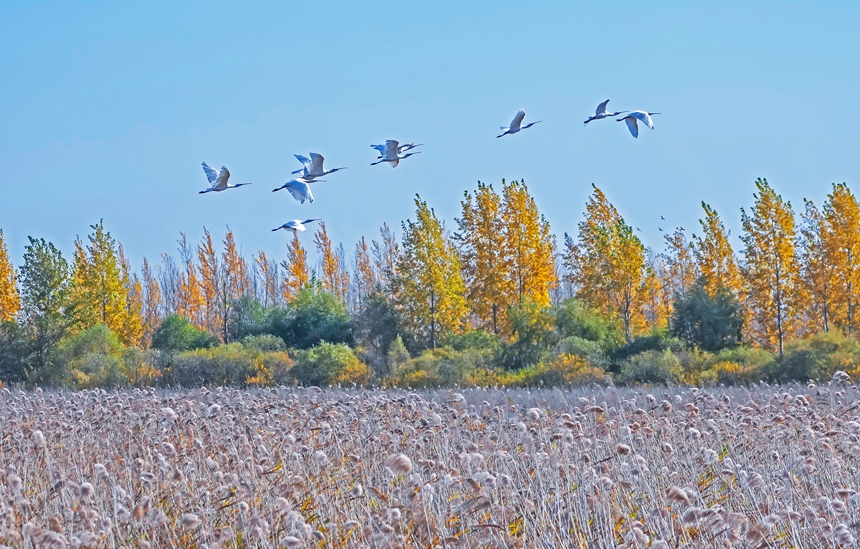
x=221 y=181
x=317 y=163
x=601 y=109
x=392 y=148
x=211 y=173
x=518 y=119
x=631 y=124
x=303 y=159
x=301 y=191
x=643 y=117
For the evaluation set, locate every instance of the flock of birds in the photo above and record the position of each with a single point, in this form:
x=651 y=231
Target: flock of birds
x=392 y=152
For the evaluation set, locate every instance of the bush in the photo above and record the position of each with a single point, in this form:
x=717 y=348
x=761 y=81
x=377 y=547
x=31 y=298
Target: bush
x=329 y=364
x=228 y=365
x=658 y=340
x=90 y=358
x=265 y=343
x=574 y=320
x=312 y=317
x=533 y=333
x=443 y=367
x=816 y=357
x=14 y=348
x=177 y=334
x=652 y=367
x=477 y=340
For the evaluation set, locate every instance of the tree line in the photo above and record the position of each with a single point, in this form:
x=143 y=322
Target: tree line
x=497 y=280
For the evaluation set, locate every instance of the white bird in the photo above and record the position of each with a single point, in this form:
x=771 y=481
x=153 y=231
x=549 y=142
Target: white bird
x=294 y=225
x=642 y=116
x=313 y=166
x=300 y=189
x=218 y=179
x=601 y=112
x=515 y=124
x=391 y=152
x=400 y=148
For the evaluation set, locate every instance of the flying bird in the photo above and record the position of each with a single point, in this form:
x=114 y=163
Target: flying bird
x=313 y=166
x=663 y=218
x=601 y=113
x=400 y=148
x=218 y=179
x=515 y=124
x=294 y=225
x=641 y=116
x=300 y=189
x=391 y=152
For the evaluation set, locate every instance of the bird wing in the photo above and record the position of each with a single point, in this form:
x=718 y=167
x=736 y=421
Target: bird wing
x=303 y=159
x=392 y=147
x=518 y=119
x=309 y=220
x=631 y=124
x=211 y=173
x=643 y=117
x=300 y=191
x=221 y=180
x=601 y=109
x=317 y=160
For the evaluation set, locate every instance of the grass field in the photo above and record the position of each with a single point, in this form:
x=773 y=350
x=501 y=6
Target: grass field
x=592 y=467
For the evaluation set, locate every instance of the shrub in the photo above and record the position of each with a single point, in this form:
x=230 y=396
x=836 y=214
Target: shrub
x=312 y=317
x=817 y=357
x=90 y=358
x=227 y=365
x=265 y=343
x=13 y=352
x=652 y=367
x=477 y=340
x=177 y=334
x=329 y=364
x=574 y=320
x=443 y=367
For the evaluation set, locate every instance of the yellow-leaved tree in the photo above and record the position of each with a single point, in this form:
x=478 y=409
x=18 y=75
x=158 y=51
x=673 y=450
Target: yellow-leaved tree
x=10 y=301
x=152 y=304
x=431 y=292
x=296 y=272
x=680 y=272
x=530 y=244
x=818 y=270
x=189 y=301
x=485 y=257
x=607 y=266
x=335 y=278
x=770 y=268
x=267 y=270
x=100 y=287
x=841 y=242
x=210 y=283
x=364 y=276
x=715 y=259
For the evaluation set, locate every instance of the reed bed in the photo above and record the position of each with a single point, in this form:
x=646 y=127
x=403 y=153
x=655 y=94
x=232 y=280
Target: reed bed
x=589 y=467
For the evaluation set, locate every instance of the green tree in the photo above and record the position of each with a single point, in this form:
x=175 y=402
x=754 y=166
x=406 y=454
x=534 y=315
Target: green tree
x=329 y=364
x=177 y=334
x=432 y=289
x=44 y=299
x=14 y=348
x=313 y=316
x=709 y=322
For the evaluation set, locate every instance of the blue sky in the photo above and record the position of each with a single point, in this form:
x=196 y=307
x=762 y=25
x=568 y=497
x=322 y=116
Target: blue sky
x=108 y=108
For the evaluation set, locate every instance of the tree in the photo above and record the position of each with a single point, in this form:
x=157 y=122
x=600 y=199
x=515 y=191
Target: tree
x=151 y=299
x=377 y=326
x=530 y=244
x=715 y=259
x=268 y=271
x=10 y=301
x=818 y=270
x=708 y=322
x=14 y=350
x=314 y=316
x=44 y=300
x=770 y=267
x=364 y=277
x=431 y=286
x=295 y=269
x=680 y=267
x=189 y=301
x=100 y=287
x=334 y=276
x=841 y=242
x=385 y=254
x=485 y=257
x=210 y=283
x=234 y=283
x=607 y=265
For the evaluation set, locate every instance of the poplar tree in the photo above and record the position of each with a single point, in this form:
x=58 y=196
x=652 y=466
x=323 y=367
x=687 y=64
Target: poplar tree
x=680 y=272
x=607 y=265
x=151 y=302
x=530 y=244
x=335 y=279
x=100 y=289
x=10 y=300
x=715 y=259
x=841 y=242
x=210 y=287
x=189 y=301
x=431 y=286
x=486 y=260
x=818 y=270
x=268 y=270
x=235 y=282
x=770 y=268
x=364 y=277
x=296 y=272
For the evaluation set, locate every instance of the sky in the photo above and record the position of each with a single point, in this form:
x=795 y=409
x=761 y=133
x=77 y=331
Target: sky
x=107 y=110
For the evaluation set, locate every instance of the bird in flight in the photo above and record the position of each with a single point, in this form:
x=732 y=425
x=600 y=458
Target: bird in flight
x=218 y=179
x=516 y=124
x=313 y=166
x=300 y=189
x=663 y=218
x=391 y=152
x=400 y=148
x=601 y=113
x=294 y=225
x=641 y=116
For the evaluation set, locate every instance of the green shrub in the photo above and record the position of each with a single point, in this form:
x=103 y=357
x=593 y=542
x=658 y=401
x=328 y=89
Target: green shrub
x=312 y=317
x=574 y=320
x=90 y=358
x=652 y=367
x=329 y=364
x=177 y=334
x=443 y=367
x=229 y=365
x=265 y=343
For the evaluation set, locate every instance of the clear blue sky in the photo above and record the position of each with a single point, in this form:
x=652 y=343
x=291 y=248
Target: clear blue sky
x=108 y=108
